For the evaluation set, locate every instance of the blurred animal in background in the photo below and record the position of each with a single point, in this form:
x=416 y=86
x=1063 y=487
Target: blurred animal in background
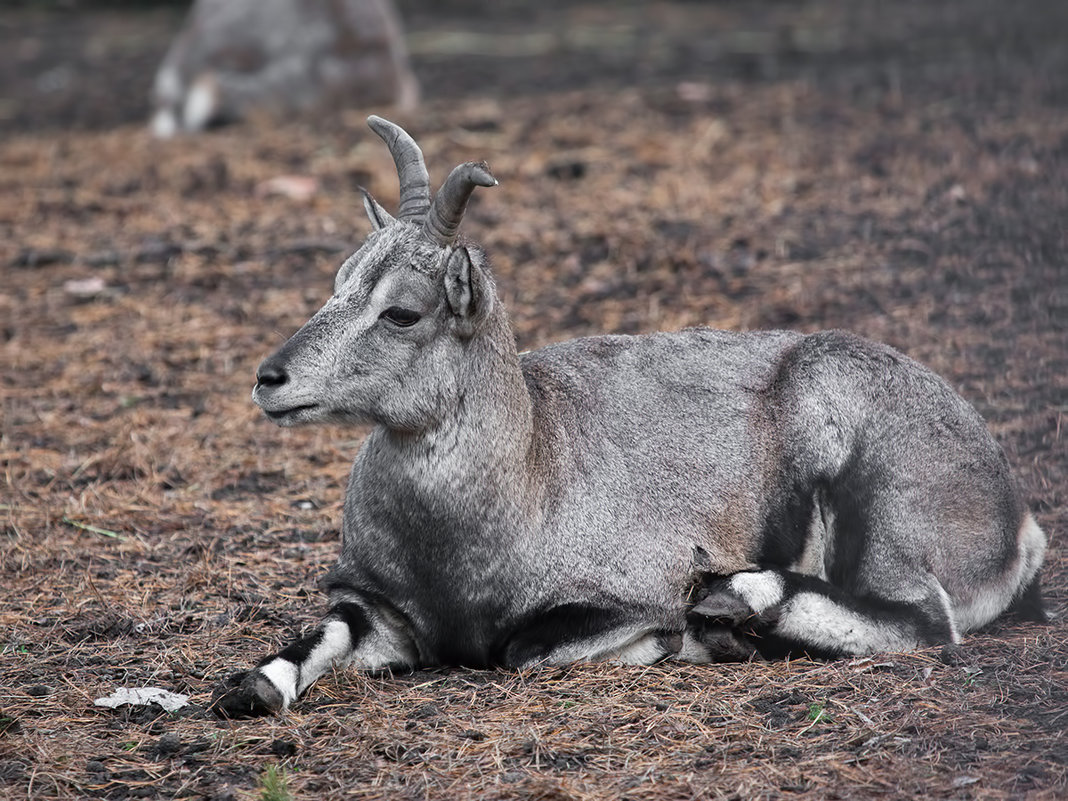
x=234 y=56
x=702 y=495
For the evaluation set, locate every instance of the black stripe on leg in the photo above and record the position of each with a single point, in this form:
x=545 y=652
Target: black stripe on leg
x=355 y=618
x=927 y=618
x=297 y=652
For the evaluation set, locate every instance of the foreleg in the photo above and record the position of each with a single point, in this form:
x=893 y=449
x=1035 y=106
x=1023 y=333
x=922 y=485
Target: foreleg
x=348 y=633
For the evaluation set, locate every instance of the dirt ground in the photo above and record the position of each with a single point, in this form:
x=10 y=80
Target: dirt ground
x=896 y=169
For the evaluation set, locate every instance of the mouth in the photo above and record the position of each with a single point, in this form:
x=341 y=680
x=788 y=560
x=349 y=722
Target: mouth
x=290 y=415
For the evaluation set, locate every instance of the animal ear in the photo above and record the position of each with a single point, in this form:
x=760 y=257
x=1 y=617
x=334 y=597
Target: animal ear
x=468 y=290
x=379 y=217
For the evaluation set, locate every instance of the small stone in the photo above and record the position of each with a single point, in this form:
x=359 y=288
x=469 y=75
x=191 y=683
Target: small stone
x=425 y=711
x=950 y=655
x=9 y=724
x=283 y=748
x=567 y=169
x=169 y=743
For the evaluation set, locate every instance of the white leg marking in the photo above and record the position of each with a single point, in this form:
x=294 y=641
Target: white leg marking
x=830 y=539
x=385 y=646
x=334 y=646
x=759 y=590
x=283 y=675
x=810 y=618
x=1033 y=543
x=642 y=651
x=612 y=645
x=201 y=103
x=693 y=651
x=947 y=607
x=164 y=124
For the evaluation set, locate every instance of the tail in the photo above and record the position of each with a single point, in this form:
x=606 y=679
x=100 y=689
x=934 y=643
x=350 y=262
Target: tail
x=1028 y=603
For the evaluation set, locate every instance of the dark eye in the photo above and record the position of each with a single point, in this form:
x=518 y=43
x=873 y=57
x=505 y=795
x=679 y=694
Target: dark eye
x=399 y=316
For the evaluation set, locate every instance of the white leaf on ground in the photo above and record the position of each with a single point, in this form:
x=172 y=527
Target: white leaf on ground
x=84 y=287
x=142 y=696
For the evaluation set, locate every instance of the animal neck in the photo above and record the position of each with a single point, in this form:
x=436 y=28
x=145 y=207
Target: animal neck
x=485 y=439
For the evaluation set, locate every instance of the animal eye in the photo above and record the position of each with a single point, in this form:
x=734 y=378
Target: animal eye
x=399 y=316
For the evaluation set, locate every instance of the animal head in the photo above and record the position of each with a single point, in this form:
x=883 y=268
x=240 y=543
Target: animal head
x=386 y=348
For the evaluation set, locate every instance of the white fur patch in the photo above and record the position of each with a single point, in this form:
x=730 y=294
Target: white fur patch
x=814 y=619
x=947 y=607
x=333 y=647
x=993 y=599
x=201 y=104
x=376 y=652
x=642 y=651
x=1032 y=543
x=380 y=298
x=164 y=124
x=693 y=651
x=759 y=590
x=632 y=646
x=283 y=675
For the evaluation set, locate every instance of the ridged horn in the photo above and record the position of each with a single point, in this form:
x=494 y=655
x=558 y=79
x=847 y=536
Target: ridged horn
x=447 y=210
x=414 y=179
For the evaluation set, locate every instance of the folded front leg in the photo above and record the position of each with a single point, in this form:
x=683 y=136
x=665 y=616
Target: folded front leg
x=348 y=633
x=778 y=612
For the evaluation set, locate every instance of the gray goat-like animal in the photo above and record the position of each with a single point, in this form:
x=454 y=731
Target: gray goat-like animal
x=701 y=495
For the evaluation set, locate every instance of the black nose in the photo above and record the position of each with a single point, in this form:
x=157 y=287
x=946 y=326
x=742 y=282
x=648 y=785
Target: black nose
x=271 y=373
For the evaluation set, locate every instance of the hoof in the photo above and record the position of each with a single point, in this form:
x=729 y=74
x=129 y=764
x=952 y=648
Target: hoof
x=247 y=695
x=725 y=624
x=722 y=605
x=723 y=644
x=743 y=599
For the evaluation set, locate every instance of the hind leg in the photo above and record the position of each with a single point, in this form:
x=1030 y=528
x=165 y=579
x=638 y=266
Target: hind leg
x=1030 y=605
x=778 y=612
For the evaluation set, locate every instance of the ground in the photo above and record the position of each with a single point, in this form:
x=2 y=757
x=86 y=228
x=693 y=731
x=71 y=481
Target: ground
x=900 y=171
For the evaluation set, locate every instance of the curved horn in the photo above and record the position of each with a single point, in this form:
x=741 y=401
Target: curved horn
x=447 y=210
x=414 y=180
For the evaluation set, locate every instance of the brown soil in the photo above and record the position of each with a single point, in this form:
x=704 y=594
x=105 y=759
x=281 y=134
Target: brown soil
x=740 y=165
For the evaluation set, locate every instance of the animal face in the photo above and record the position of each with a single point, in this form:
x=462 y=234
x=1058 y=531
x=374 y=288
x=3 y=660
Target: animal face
x=386 y=347
x=378 y=349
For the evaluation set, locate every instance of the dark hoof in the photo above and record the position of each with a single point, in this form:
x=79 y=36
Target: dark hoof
x=726 y=625
x=246 y=695
x=950 y=654
x=725 y=644
x=722 y=605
